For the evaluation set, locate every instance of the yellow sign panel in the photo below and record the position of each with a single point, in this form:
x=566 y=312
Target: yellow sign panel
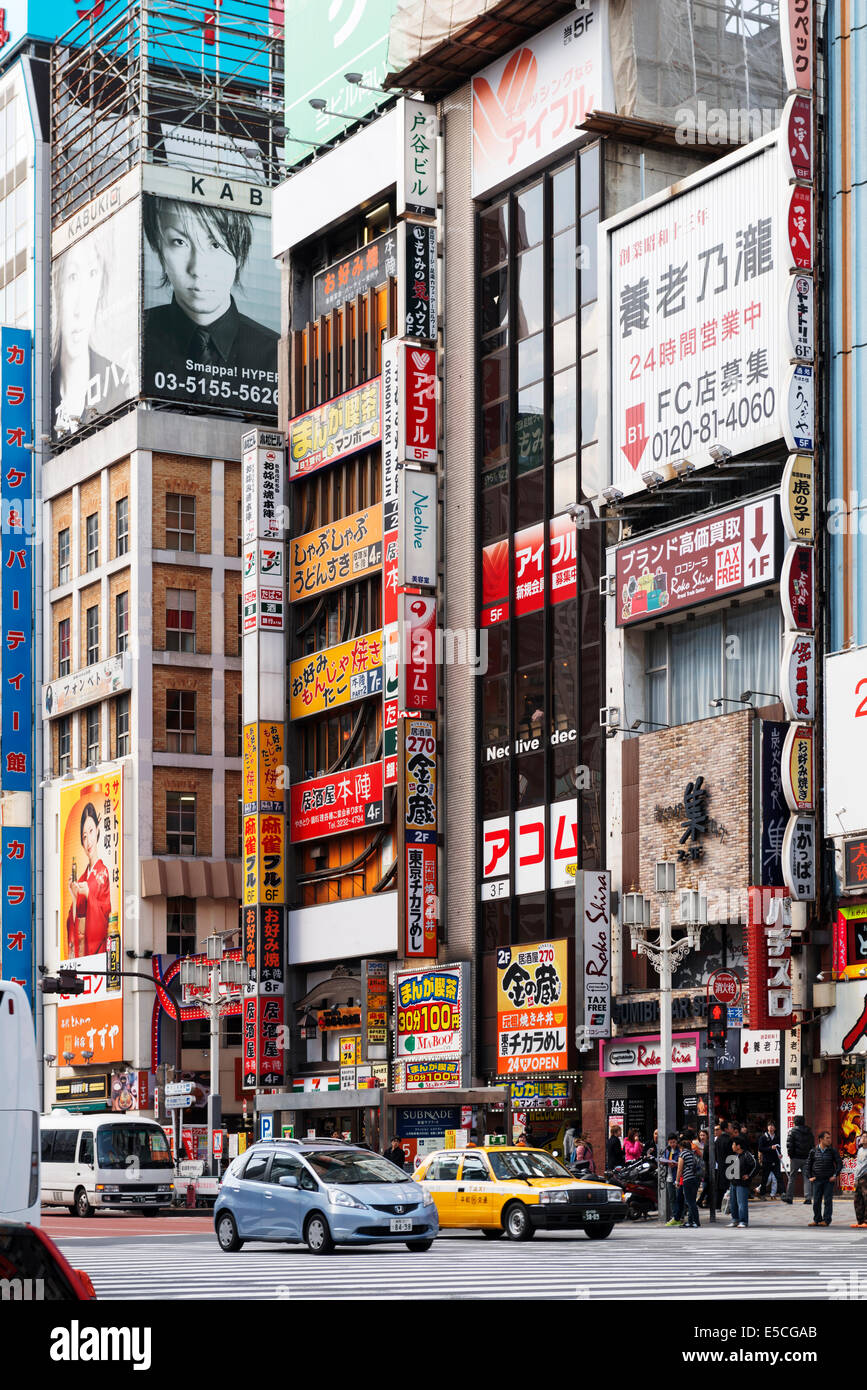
x=335 y=555
x=532 y=1008
x=336 y=676
x=264 y=859
x=797 y=499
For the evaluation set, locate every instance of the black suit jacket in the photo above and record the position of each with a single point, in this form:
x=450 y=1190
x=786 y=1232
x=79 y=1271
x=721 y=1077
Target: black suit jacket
x=245 y=354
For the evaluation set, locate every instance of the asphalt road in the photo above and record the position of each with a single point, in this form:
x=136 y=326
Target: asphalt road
x=778 y=1257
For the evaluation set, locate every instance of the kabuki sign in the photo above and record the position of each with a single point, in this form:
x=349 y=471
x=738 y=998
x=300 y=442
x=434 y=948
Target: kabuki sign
x=532 y=1008
x=769 y=958
x=696 y=284
x=719 y=555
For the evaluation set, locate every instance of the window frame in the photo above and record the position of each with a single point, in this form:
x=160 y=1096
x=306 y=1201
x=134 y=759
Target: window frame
x=64 y=736
x=184 y=840
x=122 y=706
x=91 y=534
x=121 y=634
x=92 y=714
x=91 y=635
x=176 y=528
x=121 y=533
x=181 y=734
x=64 y=643
x=179 y=633
x=63 y=549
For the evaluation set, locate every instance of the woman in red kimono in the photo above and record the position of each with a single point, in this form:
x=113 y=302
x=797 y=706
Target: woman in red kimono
x=87 y=920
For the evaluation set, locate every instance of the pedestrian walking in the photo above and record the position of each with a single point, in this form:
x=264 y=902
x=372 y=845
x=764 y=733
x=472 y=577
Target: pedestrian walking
x=569 y=1143
x=703 y=1186
x=670 y=1158
x=861 y=1181
x=722 y=1151
x=395 y=1152
x=689 y=1170
x=652 y=1149
x=632 y=1146
x=823 y=1166
x=614 y=1150
x=584 y=1153
x=740 y=1166
x=799 y=1143
x=771 y=1156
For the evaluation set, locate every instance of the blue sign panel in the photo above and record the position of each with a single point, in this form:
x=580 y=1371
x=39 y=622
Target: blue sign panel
x=16 y=554
x=16 y=955
x=426 y=1121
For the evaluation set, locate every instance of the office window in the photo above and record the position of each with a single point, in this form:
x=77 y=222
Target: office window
x=180 y=522
x=231 y=1027
x=92 y=635
x=122 y=726
x=92 y=735
x=122 y=526
x=181 y=926
x=63 y=556
x=180 y=620
x=180 y=822
x=92 y=534
x=64 y=745
x=121 y=620
x=64 y=647
x=181 y=721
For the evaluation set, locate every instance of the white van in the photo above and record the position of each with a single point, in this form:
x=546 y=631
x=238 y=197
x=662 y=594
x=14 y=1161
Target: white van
x=19 y=1108
x=104 y=1160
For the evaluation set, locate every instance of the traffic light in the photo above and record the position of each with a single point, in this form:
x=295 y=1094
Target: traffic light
x=65 y=982
x=717 y=1023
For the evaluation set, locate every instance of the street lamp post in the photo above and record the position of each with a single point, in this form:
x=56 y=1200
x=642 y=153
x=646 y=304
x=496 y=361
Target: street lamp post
x=215 y=970
x=665 y=955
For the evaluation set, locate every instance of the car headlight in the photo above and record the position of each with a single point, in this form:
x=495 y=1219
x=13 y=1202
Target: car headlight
x=615 y=1194
x=338 y=1198
x=555 y=1195
x=427 y=1198
x=107 y=1187
x=165 y=1187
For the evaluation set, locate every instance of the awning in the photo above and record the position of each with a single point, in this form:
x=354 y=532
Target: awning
x=318 y=1100
x=82 y=1107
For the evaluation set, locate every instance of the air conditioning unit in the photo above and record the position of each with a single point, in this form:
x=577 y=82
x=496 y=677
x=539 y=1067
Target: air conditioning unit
x=608 y=586
x=609 y=716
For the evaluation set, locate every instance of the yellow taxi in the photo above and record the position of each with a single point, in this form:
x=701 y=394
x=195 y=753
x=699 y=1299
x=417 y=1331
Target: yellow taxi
x=516 y=1192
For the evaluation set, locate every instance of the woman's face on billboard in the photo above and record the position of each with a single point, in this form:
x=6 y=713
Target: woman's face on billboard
x=90 y=838
x=199 y=266
x=80 y=286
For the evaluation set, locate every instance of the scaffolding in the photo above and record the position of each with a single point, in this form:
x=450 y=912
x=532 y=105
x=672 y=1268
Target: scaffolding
x=155 y=81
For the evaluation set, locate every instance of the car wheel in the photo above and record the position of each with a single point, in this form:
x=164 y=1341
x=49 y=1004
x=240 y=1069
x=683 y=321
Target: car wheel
x=317 y=1235
x=419 y=1244
x=634 y=1213
x=601 y=1232
x=517 y=1222
x=82 y=1205
x=227 y=1233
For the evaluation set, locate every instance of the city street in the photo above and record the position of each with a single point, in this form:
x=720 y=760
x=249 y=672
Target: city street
x=778 y=1257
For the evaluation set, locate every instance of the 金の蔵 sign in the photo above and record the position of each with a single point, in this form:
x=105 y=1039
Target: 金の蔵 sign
x=532 y=1008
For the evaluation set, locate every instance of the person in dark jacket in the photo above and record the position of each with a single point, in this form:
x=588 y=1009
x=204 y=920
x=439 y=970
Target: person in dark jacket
x=823 y=1165
x=799 y=1144
x=689 y=1173
x=396 y=1154
x=614 y=1150
x=769 y=1150
x=722 y=1149
x=740 y=1166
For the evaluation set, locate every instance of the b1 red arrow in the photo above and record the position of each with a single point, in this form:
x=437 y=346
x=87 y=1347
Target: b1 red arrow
x=636 y=439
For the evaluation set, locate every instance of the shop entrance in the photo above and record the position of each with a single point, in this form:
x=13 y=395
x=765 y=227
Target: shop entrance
x=332 y=1124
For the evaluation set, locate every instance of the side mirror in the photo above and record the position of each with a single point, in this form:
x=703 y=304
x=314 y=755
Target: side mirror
x=287 y=1180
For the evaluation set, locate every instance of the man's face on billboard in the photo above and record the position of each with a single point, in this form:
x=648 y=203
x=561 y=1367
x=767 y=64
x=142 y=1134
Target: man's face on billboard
x=80 y=285
x=199 y=266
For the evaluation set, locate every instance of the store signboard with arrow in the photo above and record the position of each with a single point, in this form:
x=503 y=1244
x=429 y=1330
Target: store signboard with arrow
x=718 y=554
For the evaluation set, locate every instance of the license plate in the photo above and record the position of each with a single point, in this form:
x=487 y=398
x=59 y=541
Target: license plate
x=399 y=1225
x=591 y=1216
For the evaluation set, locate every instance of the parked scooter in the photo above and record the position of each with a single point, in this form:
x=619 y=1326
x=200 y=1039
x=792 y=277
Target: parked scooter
x=639 y=1179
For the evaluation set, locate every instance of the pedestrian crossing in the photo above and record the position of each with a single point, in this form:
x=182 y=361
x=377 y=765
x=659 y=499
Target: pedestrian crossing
x=711 y=1264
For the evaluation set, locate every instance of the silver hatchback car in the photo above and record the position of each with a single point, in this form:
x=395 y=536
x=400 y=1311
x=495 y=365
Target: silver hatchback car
x=324 y=1194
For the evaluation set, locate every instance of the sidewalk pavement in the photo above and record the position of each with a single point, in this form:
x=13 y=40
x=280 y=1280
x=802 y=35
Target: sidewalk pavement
x=776 y=1213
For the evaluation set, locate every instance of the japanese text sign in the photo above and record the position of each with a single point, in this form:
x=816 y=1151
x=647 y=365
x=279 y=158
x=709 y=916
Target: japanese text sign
x=348 y=800
x=335 y=430
x=336 y=676
x=369 y=266
x=16 y=556
x=532 y=1008
x=335 y=554
x=769 y=958
x=428 y=1006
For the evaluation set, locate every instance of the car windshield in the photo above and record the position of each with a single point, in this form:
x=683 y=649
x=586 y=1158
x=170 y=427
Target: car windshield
x=526 y=1163
x=354 y=1167
x=127 y=1146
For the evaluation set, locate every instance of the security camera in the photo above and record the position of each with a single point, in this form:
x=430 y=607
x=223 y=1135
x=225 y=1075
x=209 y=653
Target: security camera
x=613 y=495
x=652 y=479
x=719 y=453
x=683 y=467
x=579 y=515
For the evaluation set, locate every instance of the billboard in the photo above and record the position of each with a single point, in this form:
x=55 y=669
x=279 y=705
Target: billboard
x=351 y=36
x=696 y=283
x=210 y=292
x=428 y=1006
x=336 y=554
x=95 y=312
x=333 y=431
x=527 y=105
x=336 y=676
x=355 y=274
x=532 y=1008
x=720 y=554
x=91 y=921
x=527 y=590
x=769 y=958
x=340 y=802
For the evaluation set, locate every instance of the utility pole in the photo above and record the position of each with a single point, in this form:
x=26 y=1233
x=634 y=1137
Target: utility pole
x=216 y=969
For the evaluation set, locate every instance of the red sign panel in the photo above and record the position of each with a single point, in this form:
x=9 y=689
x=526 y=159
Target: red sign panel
x=769 y=958
x=418 y=667
x=796 y=34
x=350 y=800
x=421 y=901
x=799 y=135
x=797 y=588
x=529 y=570
x=418 y=405
x=799 y=227
x=709 y=558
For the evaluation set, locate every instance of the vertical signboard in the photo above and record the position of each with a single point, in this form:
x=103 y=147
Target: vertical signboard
x=16 y=653
x=417 y=158
x=417 y=795
x=264 y=759
x=595 y=922
x=417 y=552
x=91 y=921
x=390 y=546
x=775 y=811
x=769 y=958
x=418 y=280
